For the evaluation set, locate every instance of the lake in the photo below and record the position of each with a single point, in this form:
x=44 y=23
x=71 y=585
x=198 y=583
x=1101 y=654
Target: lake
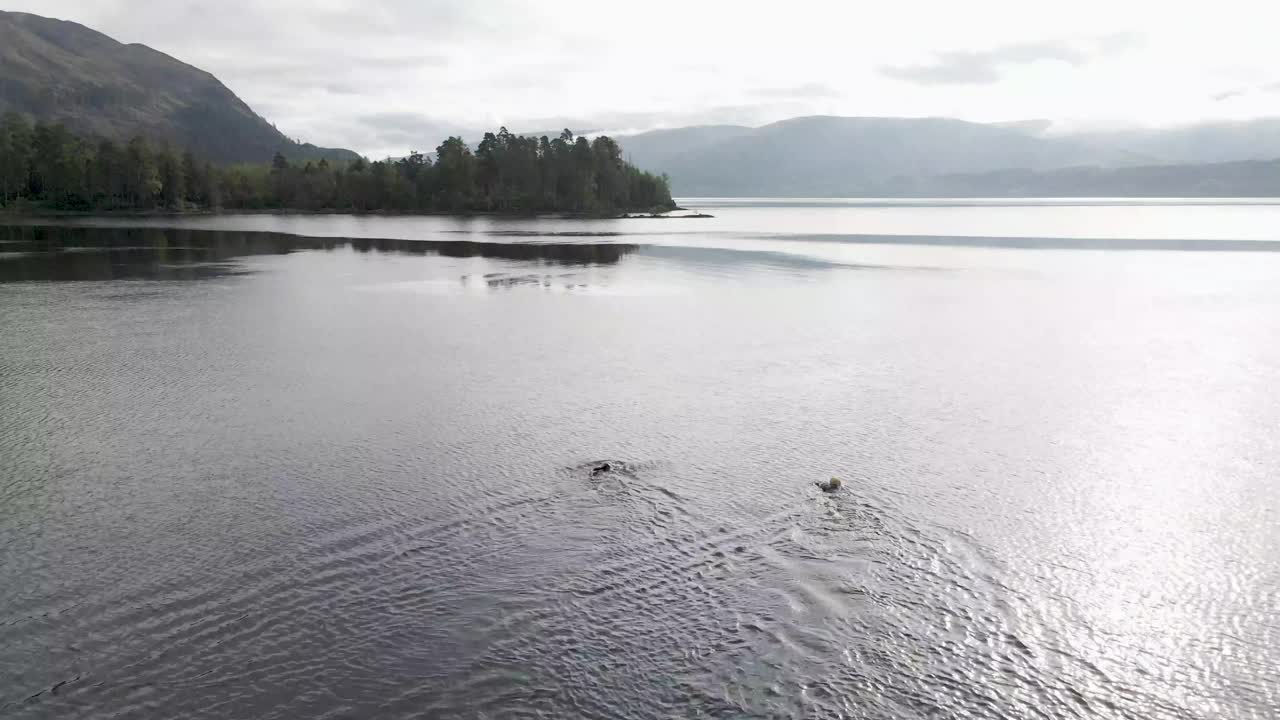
x=267 y=466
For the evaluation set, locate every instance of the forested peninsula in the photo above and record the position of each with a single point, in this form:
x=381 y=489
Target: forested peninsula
x=46 y=167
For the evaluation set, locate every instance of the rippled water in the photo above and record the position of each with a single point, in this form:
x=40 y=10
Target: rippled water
x=253 y=474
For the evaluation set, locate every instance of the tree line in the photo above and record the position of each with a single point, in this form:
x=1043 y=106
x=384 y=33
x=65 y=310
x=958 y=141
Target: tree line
x=48 y=166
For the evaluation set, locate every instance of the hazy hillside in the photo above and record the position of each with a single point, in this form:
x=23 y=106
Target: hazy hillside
x=845 y=155
x=1235 y=179
x=1202 y=143
x=61 y=71
x=658 y=148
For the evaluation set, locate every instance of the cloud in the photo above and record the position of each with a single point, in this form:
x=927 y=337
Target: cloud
x=984 y=67
x=1273 y=87
x=1115 y=43
x=396 y=133
x=810 y=90
x=979 y=68
x=309 y=71
x=625 y=123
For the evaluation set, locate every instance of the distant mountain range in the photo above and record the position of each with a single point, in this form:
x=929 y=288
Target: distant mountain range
x=843 y=155
x=1248 y=178
x=1203 y=143
x=880 y=157
x=55 y=70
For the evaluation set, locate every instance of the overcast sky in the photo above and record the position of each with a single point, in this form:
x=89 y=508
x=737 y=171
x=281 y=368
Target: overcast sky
x=385 y=76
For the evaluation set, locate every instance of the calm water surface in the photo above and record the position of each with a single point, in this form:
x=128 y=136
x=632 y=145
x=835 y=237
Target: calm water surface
x=281 y=467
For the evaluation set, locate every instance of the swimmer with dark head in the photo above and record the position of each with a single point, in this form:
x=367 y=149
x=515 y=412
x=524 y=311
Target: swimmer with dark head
x=830 y=486
x=601 y=469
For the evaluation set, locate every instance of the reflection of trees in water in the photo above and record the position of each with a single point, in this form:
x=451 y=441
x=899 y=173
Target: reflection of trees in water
x=89 y=253
x=41 y=252
x=561 y=253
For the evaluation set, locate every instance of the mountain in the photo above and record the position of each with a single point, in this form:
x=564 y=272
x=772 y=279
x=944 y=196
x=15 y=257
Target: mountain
x=1213 y=142
x=1250 y=178
x=660 y=148
x=833 y=156
x=933 y=157
x=54 y=70
x=1032 y=127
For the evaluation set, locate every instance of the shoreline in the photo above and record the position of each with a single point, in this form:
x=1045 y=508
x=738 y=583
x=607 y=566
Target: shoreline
x=654 y=213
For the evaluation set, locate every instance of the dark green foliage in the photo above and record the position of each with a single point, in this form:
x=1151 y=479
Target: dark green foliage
x=507 y=173
x=48 y=166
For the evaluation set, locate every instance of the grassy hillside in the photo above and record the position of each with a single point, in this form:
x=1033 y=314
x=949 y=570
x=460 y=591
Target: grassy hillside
x=60 y=71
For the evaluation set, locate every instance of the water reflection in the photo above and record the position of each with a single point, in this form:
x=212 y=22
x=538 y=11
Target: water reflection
x=558 y=253
x=361 y=484
x=56 y=253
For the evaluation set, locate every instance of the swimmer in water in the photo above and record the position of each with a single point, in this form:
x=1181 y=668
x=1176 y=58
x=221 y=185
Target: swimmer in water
x=831 y=485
